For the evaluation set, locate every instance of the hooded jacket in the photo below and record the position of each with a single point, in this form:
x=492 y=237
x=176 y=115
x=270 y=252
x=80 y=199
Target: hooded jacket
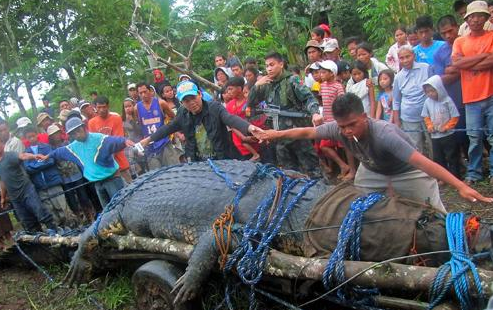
x=439 y=115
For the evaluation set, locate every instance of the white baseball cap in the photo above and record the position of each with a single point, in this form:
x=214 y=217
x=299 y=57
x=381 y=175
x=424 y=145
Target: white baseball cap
x=23 y=122
x=328 y=65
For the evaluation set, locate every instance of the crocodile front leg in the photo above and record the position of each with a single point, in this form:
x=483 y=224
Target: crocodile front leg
x=85 y=257
x=200 y=264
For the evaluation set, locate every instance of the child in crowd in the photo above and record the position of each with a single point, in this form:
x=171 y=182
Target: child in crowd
x=440 y=116
x=246 y=145
x=314 y=69
x=251 y=75
x=321 y=33
x=167 y=93
x=343 y=72
x=330 y=89
x=47 y=180
x=392 y=59
x=412 y=36
x=318 y=34
x=296 y=72
x=384 y=102
x=364 y=53
x=133 y=131
x=362 y=86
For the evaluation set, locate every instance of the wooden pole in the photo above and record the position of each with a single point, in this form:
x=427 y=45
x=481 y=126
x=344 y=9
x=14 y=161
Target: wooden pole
x=383 y=276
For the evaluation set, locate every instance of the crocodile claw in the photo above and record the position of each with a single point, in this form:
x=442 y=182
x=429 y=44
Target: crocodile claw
x=185 y=288
x=79 y=271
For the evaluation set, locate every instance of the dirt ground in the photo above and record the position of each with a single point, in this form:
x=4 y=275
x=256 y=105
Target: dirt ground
x=22 y=289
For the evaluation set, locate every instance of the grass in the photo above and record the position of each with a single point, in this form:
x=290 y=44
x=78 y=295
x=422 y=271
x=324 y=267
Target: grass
x=113 y=292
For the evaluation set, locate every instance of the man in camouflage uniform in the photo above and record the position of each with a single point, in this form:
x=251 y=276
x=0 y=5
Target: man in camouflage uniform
x=279 y=88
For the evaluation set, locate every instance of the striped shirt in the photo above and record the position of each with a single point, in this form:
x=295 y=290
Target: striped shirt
x=329 y=91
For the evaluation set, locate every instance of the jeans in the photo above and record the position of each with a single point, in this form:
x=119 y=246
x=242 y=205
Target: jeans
x=446 y=153
x=479 y=115
x=31 y=212
x=106 y=189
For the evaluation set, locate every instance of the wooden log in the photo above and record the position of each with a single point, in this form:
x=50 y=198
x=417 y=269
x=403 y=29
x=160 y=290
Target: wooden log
x=383 y=276
x=71 y=242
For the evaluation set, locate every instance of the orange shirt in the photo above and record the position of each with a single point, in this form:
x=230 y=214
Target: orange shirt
x=111 y=126
x=476 y=85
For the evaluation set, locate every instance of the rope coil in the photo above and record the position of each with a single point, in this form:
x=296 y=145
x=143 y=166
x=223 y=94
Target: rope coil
x=459 y=265
x=349 y=239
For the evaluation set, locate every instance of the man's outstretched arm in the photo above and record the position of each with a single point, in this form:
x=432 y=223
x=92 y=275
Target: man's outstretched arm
x=433 y=169
x=308 y=133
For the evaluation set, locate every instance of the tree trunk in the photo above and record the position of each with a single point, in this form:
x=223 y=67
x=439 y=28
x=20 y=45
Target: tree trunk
x=29 y=89
x=73 y=81
x=15 y=97
x=121 y=78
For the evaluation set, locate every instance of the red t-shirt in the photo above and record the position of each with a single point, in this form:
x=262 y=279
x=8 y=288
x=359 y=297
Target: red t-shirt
x=329 y=91
x=111 y=126
x=237 y=110
x=42 y=137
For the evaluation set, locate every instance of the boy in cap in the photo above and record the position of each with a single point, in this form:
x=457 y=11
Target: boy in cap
x=204 y=124
x=330 y=89
x=93 y=153
x=132 y=92
x=22 y=123
x=47 y=180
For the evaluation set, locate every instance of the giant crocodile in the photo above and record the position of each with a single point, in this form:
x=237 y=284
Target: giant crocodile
x=181 y=203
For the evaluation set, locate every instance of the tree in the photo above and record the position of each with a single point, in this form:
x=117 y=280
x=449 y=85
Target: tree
x=20 y=31
x=381 y=17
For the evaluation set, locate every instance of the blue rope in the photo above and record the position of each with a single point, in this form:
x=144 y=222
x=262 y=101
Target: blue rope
x=251 y=255
x=459 y=265
x=348 y=244
x=222 y=174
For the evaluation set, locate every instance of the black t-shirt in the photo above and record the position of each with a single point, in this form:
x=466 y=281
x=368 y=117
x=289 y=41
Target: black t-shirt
x=13 y=175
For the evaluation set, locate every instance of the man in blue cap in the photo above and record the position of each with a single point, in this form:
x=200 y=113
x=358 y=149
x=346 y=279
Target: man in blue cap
x=204 y=124
x=93 y=153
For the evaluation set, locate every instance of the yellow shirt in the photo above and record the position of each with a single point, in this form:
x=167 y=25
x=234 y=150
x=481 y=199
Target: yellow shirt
x=316 y=87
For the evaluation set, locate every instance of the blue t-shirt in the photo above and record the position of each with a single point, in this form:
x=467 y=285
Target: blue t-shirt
x=425 y=54
x=386 y=102
x=442 y=59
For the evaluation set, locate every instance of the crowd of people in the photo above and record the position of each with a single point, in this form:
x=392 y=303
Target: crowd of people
x=358 y=119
